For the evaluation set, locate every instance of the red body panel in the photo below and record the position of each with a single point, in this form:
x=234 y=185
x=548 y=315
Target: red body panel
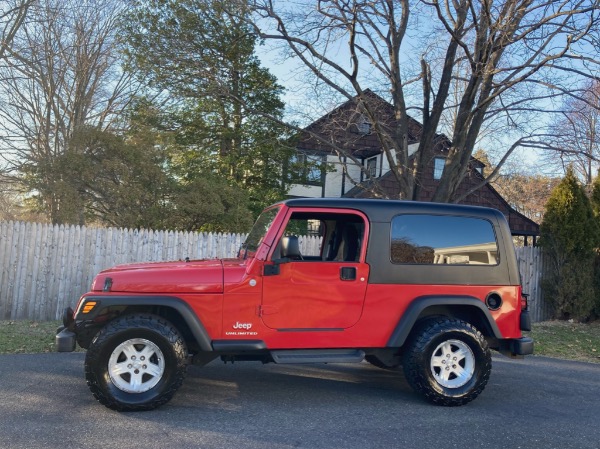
x=201 y=276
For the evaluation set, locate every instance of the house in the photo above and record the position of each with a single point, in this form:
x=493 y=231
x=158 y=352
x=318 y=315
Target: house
x=338 y=155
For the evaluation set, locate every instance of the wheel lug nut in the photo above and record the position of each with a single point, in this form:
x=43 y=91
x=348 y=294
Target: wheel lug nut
x=137 y=371
x=144 y=366
x=130 y=366
x=142 y=358
x=132 y=357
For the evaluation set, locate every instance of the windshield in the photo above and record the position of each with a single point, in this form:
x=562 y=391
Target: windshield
x=258 y=231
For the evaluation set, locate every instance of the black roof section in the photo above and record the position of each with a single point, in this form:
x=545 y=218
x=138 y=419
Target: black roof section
x=385 y=210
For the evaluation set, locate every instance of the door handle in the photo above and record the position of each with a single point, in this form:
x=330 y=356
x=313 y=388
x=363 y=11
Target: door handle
x=348 y=273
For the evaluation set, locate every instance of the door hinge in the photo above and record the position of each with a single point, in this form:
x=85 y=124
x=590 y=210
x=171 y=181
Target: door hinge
x=266 y=310
x=271 y=270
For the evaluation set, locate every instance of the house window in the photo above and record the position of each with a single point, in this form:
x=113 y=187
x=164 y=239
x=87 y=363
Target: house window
x=364 y=128
x=438 y=168
x=363 y=125
x=372 y=167
x=307 y=169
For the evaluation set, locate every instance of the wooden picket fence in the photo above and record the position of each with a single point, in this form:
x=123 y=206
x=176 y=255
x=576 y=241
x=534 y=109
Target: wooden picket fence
x=45 y=268
x=532 y=266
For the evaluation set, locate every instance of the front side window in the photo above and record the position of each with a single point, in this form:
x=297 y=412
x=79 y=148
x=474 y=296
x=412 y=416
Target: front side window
x=324 y=236
x=447 y=240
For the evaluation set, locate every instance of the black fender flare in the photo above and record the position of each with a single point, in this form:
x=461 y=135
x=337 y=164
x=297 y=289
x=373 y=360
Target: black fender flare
x=183 y=308
x=420 y=304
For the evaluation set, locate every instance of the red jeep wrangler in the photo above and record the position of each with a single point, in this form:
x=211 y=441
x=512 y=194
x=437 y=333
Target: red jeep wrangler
x=429 y=287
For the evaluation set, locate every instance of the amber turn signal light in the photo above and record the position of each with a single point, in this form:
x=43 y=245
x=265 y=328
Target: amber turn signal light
x=88 y=306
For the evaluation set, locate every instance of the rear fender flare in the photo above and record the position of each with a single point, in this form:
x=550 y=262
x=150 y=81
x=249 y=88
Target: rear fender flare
x=420 y=305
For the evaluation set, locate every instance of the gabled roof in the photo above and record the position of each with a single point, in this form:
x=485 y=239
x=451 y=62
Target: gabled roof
x=341 y=128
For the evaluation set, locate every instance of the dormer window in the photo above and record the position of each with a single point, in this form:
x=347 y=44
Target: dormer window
x=364 y=128
x=363 y=125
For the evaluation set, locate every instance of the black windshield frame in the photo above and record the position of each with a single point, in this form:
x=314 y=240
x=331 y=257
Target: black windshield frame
x=257 y=233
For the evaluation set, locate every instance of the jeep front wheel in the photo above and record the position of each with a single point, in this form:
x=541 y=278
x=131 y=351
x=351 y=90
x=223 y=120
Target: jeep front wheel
x=447 y=361
x=136 y=362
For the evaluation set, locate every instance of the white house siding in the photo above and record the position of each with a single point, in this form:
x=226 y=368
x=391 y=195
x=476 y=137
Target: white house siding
x=412 y=148
x=306 y=191
x=334 y=180
x=353 y=174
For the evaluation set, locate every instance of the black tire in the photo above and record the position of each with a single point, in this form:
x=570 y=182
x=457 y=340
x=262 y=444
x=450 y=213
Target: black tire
x=147 y=355
x=375 y=361
x=432 y=346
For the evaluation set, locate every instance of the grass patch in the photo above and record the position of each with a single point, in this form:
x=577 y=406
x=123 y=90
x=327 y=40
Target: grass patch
x=570 y=341
x=26 y=337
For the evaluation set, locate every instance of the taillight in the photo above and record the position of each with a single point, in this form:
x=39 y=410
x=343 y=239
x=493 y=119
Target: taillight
x=524 y=301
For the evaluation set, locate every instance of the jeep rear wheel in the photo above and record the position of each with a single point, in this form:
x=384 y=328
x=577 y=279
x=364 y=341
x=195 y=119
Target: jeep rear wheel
x=137 y=362
x=447 y=361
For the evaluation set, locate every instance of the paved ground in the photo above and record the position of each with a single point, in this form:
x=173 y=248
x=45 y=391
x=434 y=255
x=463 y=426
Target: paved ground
x=536 y=403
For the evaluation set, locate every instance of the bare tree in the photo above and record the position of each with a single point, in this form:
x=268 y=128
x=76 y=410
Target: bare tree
x=12 y=16
x=577 y=130
x=61 y=72
x=480 y=61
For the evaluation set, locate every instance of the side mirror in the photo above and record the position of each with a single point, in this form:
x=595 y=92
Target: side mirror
x=290 y=247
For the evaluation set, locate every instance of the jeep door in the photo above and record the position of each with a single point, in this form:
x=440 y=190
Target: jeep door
x=318 y=276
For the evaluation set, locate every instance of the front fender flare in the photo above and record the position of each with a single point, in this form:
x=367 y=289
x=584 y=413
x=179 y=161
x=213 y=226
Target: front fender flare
x=183 y=308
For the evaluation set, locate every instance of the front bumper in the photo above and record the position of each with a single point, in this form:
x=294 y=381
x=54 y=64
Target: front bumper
x=65 y=340
x=65 y=337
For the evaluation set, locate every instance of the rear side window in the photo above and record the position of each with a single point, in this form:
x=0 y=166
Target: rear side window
x=445 y=240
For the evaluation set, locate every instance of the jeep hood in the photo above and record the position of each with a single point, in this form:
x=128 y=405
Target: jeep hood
x=198 y=276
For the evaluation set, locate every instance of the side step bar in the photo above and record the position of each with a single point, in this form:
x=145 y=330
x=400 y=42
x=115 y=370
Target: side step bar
x=318 y=356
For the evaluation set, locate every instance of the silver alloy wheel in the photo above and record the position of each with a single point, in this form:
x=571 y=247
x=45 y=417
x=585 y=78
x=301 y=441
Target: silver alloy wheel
x=136 y=365
x=452 y=363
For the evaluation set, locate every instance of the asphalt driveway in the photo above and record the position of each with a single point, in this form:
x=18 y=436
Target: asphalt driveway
x=535 y=403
